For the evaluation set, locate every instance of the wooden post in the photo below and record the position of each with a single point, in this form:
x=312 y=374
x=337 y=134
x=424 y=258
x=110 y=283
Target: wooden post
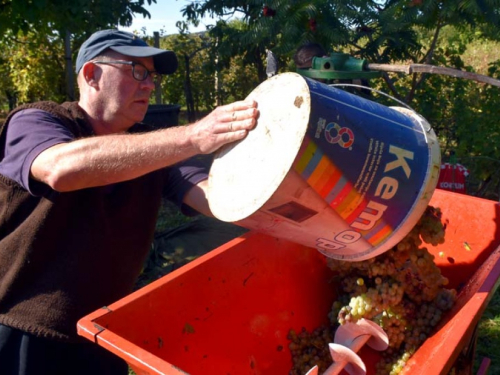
x=157 y=83
x=70 y=75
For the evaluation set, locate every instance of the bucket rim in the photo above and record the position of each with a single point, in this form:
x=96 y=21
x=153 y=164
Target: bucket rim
x=284 y=102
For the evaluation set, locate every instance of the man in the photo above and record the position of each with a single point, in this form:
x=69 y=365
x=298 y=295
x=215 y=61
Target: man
x=305 y=53
x=80 y=189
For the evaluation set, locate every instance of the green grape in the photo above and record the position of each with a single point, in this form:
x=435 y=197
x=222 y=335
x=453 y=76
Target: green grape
x=402 y=290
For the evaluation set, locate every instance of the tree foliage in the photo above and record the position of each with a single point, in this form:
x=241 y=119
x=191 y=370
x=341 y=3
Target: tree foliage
x=379 y=31
x=31 y=67
x=75 y=16
x=36 y=53
x=392 y=31
x=207 y=76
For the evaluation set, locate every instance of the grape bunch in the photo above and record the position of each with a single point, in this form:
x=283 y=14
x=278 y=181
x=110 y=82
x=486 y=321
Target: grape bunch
x=402 y=290
x=310 y=349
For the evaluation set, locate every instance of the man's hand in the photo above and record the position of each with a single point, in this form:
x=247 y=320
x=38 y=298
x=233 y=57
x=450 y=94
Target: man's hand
x=225 y=124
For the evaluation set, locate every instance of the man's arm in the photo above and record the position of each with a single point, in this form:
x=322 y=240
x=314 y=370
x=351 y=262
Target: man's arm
x=196 y=198
x=102 y=160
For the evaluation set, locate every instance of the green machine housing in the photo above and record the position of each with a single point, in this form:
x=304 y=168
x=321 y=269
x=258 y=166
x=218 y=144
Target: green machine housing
x=338 y=66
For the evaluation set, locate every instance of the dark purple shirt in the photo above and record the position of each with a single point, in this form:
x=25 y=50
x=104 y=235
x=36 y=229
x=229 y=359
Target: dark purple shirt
x=32 y=131
x=28 y=134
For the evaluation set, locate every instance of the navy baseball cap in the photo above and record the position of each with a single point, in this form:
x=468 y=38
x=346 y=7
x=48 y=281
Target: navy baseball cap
x=128 y=44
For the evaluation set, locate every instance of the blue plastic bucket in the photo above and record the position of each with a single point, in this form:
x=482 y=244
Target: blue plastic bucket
x=327 y=169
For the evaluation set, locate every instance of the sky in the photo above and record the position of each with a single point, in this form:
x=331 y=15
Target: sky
x=164 y=15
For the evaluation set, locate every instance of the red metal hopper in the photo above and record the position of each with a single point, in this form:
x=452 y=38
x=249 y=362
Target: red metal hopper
x=229 y=311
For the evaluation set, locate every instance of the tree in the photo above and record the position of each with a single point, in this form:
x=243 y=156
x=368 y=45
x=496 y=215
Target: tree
x=31 y=67
x=190 y=86
x=71 y=21
x=190 y=47
x=233 y=41
x=382 y=31
x=79 y=17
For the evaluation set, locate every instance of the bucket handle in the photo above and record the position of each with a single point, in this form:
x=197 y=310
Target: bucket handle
x=383 y=94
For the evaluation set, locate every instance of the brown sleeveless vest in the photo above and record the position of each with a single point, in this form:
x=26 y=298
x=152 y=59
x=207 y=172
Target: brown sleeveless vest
x=65 y=255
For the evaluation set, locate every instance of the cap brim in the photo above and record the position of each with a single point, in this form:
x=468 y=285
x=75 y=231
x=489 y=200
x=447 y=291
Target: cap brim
x=165 y=61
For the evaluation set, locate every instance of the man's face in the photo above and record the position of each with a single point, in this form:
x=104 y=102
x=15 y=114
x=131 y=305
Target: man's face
x=122 y=99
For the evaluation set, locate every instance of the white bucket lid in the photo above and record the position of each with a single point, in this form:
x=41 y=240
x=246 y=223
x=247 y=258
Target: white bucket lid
x=245 y=174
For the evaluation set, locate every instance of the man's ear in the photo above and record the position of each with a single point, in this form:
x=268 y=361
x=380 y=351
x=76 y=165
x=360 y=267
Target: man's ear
x=89 y=71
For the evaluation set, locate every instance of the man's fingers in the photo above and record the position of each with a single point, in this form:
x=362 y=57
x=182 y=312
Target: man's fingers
x=241 y=109
x=241 y=105
x=239 y=115
x=233 y=126
x=227 y=124
x=235 y=135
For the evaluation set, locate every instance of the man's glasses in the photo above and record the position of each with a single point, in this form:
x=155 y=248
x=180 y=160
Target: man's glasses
x=139 y=71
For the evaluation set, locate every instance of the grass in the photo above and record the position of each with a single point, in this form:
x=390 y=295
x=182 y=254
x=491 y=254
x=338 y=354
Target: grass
x=170 y=217
x=488 y=342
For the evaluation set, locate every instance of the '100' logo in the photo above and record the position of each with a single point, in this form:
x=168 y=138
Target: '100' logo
x=336 y=134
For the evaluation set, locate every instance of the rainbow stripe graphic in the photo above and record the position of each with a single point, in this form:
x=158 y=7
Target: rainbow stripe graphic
x=329 y=182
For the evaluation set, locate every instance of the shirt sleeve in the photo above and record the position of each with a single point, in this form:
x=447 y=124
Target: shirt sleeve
x=181 y=177
x=29 y=132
